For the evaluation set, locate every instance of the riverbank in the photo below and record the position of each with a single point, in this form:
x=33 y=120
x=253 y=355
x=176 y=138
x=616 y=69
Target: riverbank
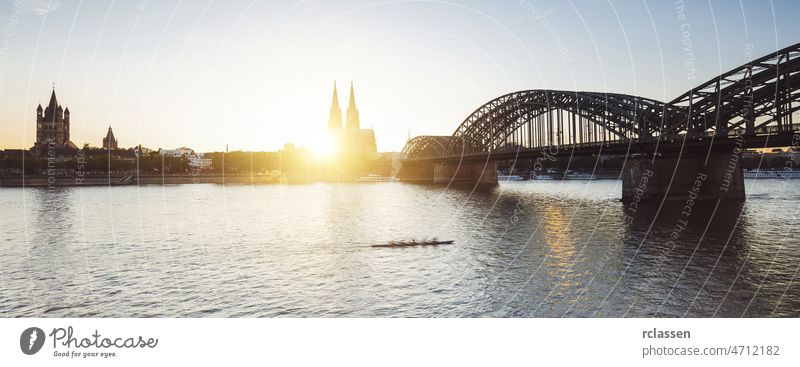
x=127 y=180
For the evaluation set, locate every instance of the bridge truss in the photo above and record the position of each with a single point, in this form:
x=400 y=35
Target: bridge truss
x=758 y=98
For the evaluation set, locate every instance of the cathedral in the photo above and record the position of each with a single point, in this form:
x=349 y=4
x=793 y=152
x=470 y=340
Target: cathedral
x=52 y=126
x=352 y=142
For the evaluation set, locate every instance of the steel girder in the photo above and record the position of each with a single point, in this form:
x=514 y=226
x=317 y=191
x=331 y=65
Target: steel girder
x=426 y=146
x=758 y=95
x=625 y=116
x=711 y=105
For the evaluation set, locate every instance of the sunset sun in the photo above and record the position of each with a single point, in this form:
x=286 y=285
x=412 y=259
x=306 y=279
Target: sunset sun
x=322 y=145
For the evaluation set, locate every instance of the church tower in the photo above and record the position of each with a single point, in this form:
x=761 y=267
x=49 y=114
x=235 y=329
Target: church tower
x=110 y=142
x=66 y=125
x=355 y=147
x=52 y=124
x=352 y=112
x=335 y=116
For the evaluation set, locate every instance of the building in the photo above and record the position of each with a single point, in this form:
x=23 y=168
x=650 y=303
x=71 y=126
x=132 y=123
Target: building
x=52 y=126
x=177 y=153
x=199 y=161
x=196 y=160
x=353 y=142
x=109 y=142
x=140 y=151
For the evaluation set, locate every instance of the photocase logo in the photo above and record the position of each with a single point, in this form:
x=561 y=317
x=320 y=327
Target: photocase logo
x=31 y=340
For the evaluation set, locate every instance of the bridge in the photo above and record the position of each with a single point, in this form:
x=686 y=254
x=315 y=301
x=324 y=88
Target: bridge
x=669 y=147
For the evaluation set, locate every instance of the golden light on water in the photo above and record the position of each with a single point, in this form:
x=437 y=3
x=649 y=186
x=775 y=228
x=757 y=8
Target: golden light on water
x=561 y=246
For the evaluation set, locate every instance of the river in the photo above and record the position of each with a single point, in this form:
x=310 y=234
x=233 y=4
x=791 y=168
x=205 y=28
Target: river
x=522 y=249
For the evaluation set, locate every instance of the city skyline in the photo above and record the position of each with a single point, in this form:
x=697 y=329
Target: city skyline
x=256 y=76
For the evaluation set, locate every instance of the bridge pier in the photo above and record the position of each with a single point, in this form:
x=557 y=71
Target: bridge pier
x=695 y=177
x=416 y=173
x=481 y=173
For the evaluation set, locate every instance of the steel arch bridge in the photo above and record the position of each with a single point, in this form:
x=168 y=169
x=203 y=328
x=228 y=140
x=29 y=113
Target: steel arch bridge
x=757 y=99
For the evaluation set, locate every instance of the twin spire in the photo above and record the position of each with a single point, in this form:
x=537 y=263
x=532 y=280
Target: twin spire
x=335 y=118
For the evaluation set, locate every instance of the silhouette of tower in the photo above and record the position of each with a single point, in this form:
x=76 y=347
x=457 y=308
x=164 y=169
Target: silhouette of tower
x=352 y=112
x=354 y=145
x=335 y=117
x=110 y=142
x=52 y=124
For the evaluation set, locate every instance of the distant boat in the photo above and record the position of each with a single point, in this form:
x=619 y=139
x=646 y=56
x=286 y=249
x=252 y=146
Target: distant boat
x=580 y=176
x=509 y=178
x=541 y=177
x=771 y=174
x=376 y=178
x=413 y=243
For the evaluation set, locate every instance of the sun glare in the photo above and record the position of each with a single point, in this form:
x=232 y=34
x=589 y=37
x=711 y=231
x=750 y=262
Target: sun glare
x=323 y=145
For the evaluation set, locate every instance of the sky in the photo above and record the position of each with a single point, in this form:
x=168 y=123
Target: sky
x=255 y=75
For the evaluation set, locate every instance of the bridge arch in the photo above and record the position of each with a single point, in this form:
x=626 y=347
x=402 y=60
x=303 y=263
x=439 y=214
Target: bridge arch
x=426 y=146
x=754 y=95
x=535 y=118
x=759 y=97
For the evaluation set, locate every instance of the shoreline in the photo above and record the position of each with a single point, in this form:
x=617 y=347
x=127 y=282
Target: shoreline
x=127 y=180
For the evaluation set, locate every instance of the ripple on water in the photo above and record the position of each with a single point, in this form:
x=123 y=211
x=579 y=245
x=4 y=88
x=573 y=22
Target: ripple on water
x=523 y=249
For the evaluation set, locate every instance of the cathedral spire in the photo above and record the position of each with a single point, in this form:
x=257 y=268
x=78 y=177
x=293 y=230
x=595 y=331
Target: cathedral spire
x=335 y=116
x=352 y=97
x=335 y=101
x=352 y=112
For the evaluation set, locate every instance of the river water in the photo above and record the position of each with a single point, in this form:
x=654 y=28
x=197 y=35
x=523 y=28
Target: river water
x=522 y=249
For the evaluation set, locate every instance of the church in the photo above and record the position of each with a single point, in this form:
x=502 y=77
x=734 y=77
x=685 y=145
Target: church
x=110 y=142
x=52 y=126
x=353 y=143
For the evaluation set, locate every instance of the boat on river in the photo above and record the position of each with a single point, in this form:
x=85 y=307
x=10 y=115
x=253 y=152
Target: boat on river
x=506 y=178
x=377 y=178
x=758 y=174
x=413 y=243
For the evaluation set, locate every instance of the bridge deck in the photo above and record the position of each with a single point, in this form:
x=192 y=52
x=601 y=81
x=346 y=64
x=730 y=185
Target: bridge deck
x=670 y=145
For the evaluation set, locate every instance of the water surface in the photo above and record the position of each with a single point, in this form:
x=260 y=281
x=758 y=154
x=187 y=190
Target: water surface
x=523 y=249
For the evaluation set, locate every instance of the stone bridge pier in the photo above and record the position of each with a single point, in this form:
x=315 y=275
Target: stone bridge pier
x=481 y=173
x=416 y=173
x=696 y=175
